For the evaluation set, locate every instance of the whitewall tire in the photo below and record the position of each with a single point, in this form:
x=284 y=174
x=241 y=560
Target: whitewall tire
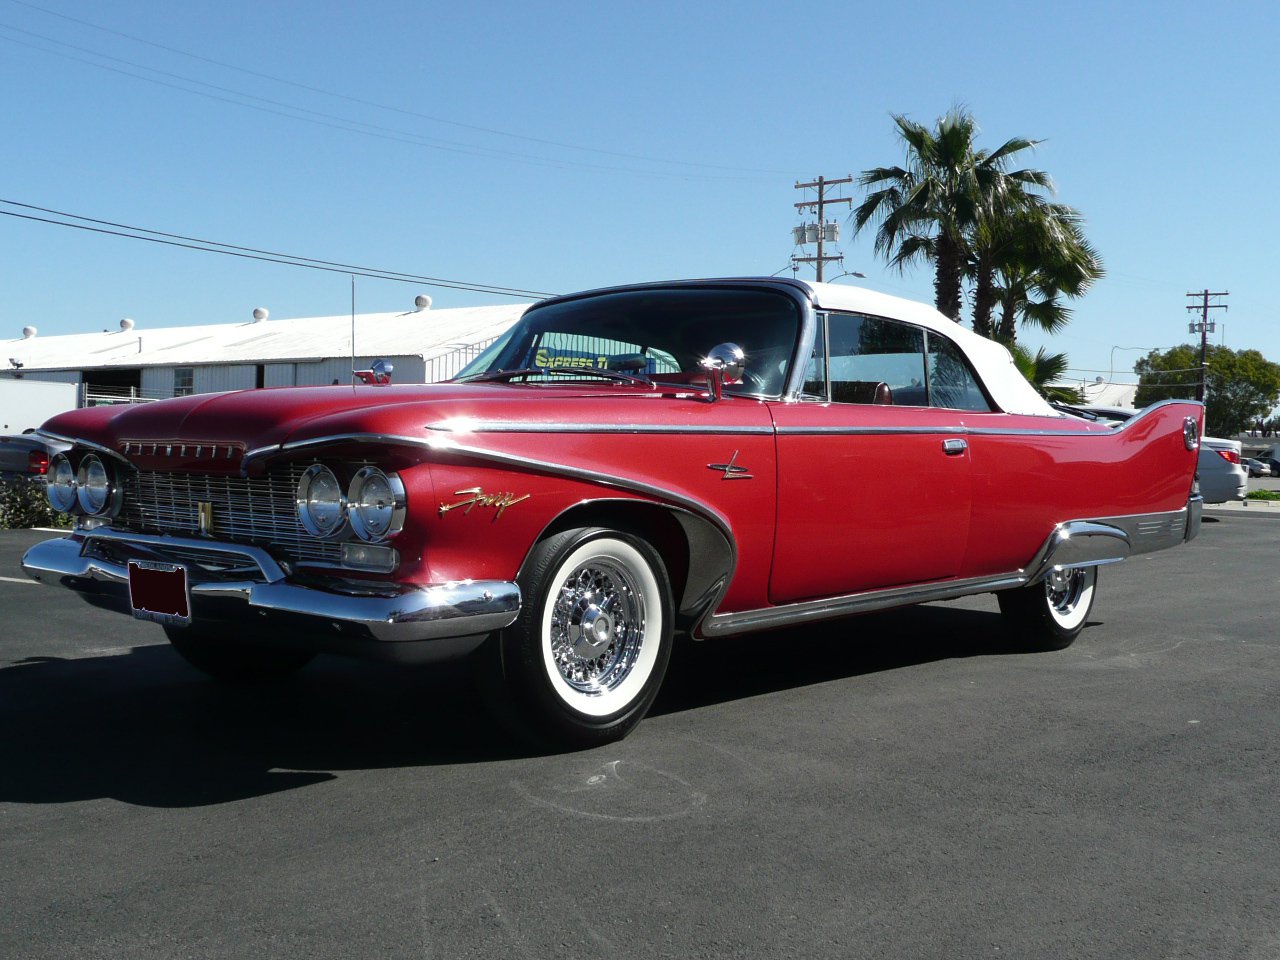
x=587 y=654
x=1050 y=615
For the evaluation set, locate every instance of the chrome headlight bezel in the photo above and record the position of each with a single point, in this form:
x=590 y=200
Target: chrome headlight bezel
x=393 y=507
x=60 y=485
x=98 y=490
x=314 y=480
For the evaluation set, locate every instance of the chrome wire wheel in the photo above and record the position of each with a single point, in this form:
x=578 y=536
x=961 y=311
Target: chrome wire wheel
x=597 y=626
x=1070 y=595
x=601 y=626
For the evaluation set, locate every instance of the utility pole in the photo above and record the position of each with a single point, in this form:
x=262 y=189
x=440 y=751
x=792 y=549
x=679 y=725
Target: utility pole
x=819 y=207
x=1203 y=327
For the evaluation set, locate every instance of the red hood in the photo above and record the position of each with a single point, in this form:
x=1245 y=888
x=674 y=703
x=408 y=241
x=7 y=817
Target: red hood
x=253 y=419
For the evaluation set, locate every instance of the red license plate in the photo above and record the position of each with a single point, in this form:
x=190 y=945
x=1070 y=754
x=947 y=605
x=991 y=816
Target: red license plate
x=158 y=592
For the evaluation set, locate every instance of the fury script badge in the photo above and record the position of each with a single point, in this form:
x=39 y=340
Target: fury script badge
x=476 y=497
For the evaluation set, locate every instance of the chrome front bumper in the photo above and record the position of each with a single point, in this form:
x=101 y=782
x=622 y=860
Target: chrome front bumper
x=363 y=618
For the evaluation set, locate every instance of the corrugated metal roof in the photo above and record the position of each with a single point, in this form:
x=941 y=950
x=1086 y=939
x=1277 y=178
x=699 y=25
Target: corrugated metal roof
x=427 y=334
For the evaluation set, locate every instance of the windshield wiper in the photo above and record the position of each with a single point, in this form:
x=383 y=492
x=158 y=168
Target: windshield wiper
x=500 y=375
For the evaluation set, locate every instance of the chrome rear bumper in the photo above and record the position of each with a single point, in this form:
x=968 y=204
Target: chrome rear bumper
x=250 y=592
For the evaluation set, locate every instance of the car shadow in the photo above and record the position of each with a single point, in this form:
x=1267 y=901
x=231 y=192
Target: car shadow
x=144 y=728
x=706 y=672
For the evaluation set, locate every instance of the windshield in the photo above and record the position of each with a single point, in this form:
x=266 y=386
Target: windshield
x=659 y=334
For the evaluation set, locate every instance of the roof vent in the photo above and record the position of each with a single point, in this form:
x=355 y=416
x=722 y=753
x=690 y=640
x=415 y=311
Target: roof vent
x=29 y=332
x=260 y=314
x=421 y=302
x=126 y=324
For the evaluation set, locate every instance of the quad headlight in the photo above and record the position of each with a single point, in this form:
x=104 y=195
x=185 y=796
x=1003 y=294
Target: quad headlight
x=375 y=504
x=60 y=485
x=321 y=506
x=96 y=491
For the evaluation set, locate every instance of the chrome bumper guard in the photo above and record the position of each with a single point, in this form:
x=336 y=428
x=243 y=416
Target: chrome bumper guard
x=1195 y=507
x=242 y=585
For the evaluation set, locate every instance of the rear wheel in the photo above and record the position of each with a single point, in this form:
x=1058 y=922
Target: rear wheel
x=225 y=658
x=1050 y=615
x=584 y=660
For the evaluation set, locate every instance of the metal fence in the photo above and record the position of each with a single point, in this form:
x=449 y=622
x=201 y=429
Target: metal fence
x=99 y=396
x=447 y=365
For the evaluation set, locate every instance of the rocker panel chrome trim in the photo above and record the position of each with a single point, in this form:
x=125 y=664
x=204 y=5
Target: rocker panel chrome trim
x=768 y=618
x=1072 y=544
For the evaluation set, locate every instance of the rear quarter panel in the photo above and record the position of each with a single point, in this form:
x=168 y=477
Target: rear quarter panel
x=1055 y=470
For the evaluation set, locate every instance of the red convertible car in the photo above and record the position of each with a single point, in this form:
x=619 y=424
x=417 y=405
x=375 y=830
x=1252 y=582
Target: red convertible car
x=704 y=458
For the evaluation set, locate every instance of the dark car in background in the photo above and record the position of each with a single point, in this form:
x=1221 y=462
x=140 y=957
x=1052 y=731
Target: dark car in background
x=26 y=456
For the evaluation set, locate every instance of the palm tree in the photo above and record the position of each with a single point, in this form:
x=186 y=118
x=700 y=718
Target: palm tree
x=1042 y=370
x=930 y=208
x=1010 y=227
x=1044 y=259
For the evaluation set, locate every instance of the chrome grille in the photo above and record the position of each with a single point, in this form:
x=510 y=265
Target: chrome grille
x=258 y=510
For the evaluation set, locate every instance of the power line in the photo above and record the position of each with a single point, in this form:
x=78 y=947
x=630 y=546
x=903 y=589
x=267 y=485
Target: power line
x=345 y=267
x=357 y=100
x=266 y=256
x=348 y=125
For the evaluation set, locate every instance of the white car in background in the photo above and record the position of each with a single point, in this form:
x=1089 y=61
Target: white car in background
x=1221 y=472
x=1222 y=475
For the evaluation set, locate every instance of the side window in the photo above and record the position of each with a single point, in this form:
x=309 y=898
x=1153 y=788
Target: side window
x=951 y=382
x=875 y=361
x=183 y=381
x=815 y=368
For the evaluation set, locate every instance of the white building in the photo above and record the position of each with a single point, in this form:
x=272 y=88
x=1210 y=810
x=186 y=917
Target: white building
x=154 y=363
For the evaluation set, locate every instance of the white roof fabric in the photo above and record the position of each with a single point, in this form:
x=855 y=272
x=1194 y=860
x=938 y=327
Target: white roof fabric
x=1009 y=388
x=428 y=333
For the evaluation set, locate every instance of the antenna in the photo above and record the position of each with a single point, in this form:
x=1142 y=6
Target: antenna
x=353 y=329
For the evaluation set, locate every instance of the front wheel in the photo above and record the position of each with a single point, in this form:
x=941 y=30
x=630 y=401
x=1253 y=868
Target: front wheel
x=1051 y=614
x=584 y=660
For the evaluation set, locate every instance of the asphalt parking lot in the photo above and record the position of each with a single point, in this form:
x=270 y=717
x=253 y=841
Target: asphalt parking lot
x=907 y=784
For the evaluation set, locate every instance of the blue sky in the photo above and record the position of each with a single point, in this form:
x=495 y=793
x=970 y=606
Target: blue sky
x=561 y=146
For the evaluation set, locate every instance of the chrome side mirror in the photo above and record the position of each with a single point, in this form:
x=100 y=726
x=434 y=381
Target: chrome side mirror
x=725 y=364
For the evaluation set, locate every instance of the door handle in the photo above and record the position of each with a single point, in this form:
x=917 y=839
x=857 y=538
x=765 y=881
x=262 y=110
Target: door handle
x=955 y=446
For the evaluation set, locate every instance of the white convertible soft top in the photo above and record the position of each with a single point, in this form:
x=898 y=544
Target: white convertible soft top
x=1008 y=388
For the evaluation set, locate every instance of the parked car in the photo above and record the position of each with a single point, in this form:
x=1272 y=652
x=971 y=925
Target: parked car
x=26 y=456
x=708 y=458
x=1257 y=468
x=1271 y=458
x=1221 y=475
